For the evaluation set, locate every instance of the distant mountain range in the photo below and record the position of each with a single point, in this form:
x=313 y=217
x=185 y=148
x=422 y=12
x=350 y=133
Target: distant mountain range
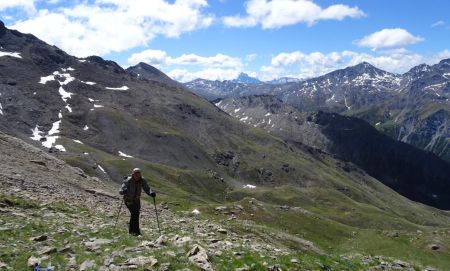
x=406 y=169
x=99 y=117
x=413 y=107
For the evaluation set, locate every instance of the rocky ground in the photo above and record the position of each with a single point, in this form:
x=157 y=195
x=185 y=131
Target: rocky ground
x=55 y=215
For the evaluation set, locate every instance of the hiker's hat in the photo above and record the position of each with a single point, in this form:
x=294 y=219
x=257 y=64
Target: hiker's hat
x=136 y=170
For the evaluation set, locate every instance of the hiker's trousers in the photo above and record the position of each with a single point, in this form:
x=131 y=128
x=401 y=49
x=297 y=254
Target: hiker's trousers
x=134 y=208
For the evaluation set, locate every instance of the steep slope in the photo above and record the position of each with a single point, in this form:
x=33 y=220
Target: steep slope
x=412 y=108
x=74 y=217
x=96 y=116
x=348 y=88
x=145 y=71
x=416 y=174
x=421 y=114
x=212 y=90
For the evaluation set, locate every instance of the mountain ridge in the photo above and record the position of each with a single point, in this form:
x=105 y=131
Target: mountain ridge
x=106 y=121
x=405 y=107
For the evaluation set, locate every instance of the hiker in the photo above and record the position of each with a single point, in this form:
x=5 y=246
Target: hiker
x=131 y=190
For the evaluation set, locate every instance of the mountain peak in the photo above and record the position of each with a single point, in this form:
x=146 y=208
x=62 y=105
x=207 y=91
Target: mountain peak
x=445 y=61
x=245 y=78
x=2 y=28
x=147 y=67
x=419 y=69
x=365 y=66
x=147 y=71
x=106 y=63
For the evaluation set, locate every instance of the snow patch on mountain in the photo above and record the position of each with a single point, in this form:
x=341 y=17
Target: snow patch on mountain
x=55 y=128
x=36 y=133
x=46 y=79
x=102 y=169
x=60 y=148
x=125 y=155
x=64 y=94
x=88 y=83
x=12 y=54
x=121 y=88
x=67 y=69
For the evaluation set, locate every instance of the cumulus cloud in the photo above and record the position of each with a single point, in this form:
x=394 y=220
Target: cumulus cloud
x=150 y=56
x=188 y=67
x=27 y=5
x=158 y=57
x=279 y=13
x=184 y=75
x=307 y=65
x=115 y=25
x=389 y=37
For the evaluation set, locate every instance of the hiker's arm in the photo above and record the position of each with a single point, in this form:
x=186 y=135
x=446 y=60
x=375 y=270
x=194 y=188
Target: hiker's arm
x=123 y=189
x=147 y=188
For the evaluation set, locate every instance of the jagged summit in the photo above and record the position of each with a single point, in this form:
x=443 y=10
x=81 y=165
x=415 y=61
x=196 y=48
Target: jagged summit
x=359 y=69
x=145 y=71
x=246 y=79
x=106 y=63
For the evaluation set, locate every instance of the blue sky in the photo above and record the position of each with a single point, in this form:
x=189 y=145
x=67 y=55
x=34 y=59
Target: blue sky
x=218 y=39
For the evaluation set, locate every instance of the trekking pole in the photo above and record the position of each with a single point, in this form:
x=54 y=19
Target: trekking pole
x=157 y=219
x=117 y=218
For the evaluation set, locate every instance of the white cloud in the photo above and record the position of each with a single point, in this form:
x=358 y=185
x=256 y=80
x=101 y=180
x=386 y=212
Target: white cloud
x=389 y=37
x=152 y=57
x=268 y=73
x=279 y=13
x=27 y=5
x=115 y=25
x=284 y=59
x=438 y=23
x=317 y=63
x=158 y=57
x=188 y=67
x=183 y=75
x=217 y=61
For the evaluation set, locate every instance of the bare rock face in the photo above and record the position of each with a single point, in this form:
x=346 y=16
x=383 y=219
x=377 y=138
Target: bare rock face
x=198 y=256
x=39 y=238
x=143 y=261
x=32 y=261
x=87 y=265
x=95 y=244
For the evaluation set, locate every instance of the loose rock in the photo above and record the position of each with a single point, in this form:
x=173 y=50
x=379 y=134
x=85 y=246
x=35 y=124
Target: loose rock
x=198 y=256
x=87 y=265
x=141 y=261
x=39 y=238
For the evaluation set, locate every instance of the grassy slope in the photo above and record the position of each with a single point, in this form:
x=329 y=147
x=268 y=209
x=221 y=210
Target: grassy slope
x=342 y=213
